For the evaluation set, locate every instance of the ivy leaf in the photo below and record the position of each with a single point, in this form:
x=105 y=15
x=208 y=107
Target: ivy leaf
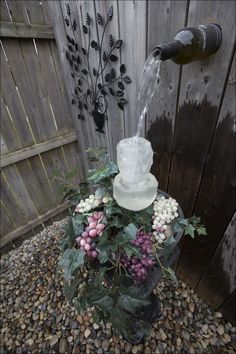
x=119 y=43
x=110 y=13
x=67 y=21
x=130 y=303
x=111 y=41
x=71 y=260
x=85 y=29
x=103 y=256
x=78 y=223
x=127 y=80
x=87 y=19
x=122 y=69
x=74 y=25
x=84 y=51
x=105 y=303
x=171 y=274
x=131 y=250
x=111 y=91
x=121 y=85
x=201 y=230
x=113 y=57
x=170 y=241
x=72 y=101
x=189 y=230
x=130 y=232
x=99 y=19
x=94 y=44
x=84 y=71
x=69 y=292
x=100 y=192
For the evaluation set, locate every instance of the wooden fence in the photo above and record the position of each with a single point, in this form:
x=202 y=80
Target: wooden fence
x=191 y=122
x=38 y=133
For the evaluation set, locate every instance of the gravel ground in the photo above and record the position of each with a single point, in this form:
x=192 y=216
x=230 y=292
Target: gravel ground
x=37 y=319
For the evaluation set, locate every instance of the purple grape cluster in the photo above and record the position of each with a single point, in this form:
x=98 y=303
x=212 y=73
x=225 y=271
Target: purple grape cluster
x=86 y=241
x=138 y=267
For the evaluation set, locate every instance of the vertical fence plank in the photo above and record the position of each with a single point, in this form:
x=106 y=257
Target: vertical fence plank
x=216 y=199
x=132 y=23
x=219 y=278
x=54 y=9
x=165 y=18
x=228 y=309
x=201 y=94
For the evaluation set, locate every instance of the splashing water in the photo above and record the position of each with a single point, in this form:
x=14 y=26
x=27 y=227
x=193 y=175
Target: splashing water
x=147 y=87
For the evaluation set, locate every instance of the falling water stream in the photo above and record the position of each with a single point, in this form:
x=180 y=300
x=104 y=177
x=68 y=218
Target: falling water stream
x=135 y=187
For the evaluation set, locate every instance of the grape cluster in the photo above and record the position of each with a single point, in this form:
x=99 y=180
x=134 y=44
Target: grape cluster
x=95 y=228
x=138 y=267
x=85 y=205
x=165 y=211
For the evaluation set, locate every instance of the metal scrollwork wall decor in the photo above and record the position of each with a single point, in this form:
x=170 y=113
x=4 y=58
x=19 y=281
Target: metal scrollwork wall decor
x=94 y=83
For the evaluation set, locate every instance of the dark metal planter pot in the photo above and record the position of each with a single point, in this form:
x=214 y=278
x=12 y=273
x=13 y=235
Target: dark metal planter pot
x=152 y=311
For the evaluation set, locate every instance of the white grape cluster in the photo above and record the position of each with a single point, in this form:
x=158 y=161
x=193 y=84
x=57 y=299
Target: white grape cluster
x=165 y=210
x=90 y=203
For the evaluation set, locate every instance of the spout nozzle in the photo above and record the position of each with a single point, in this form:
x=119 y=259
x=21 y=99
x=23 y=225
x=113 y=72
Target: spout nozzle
x=167 y=50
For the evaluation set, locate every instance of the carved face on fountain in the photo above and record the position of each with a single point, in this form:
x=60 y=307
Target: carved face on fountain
x=135 y=158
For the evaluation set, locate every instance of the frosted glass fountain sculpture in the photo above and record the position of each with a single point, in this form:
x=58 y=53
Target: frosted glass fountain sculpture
x=134 y=188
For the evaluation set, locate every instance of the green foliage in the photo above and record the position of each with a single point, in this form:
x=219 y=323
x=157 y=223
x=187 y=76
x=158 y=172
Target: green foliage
x=70 y=261
x=190 y=226
x=107 y=287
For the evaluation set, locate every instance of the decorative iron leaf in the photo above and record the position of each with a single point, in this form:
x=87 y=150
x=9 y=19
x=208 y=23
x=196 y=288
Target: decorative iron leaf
x=113 y=73
x=68 y=38
x=73 y=57
x=99 y=19
x=84 y=71
x=127 y=80
x=121 y=106
x=87 y=19
x=122 y=69
x=78 y=59
x=88 y=92
x=85 y=106
x=81 y=116
x=123 y=101
x=67 y=22
x=104 y=56
x=110 y=13
x=76 y=92
x=94 y=72
x=111 y=91
x=80 y=90
x=68 y=9
x=76 y=68
x=76 y=46
x=72 y=101
x=84 y=51
x=94 y=45
x=79 y=82
x=99 y=86
x=80 y=106
x=70 y=48
x=72 y=74
x=108 y=77
x=103 y=92
x=119 y=43
x=74 y=25
x=72 y=41
x=111 y=41
x=71 y=62
x=85 y=29
x=121 y=85
x=113 y=57
x=67 y=55
x=119 y=93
